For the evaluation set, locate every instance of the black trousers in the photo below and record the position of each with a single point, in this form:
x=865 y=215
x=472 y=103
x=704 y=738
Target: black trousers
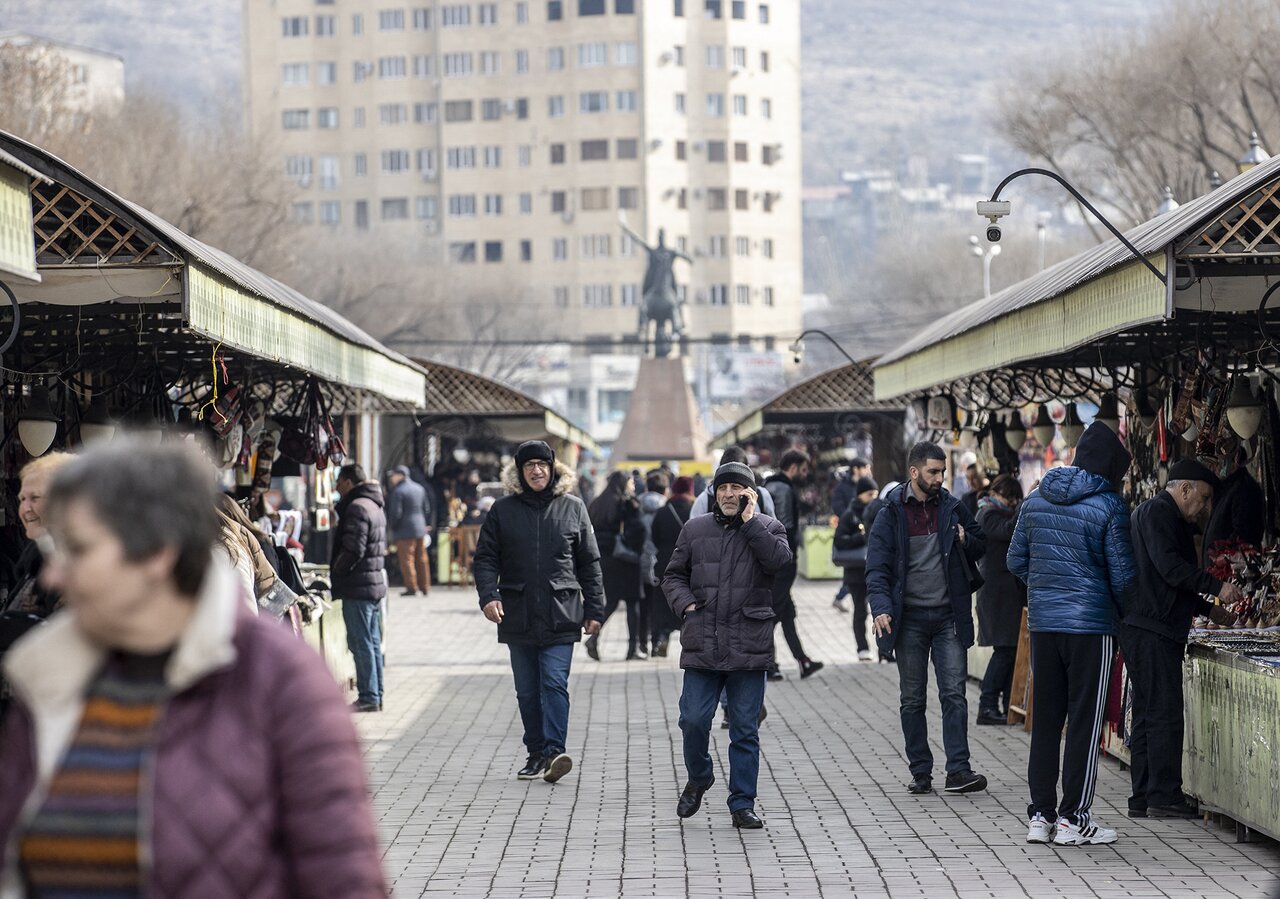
x=1070 y=675
x=858 y=590
x=1155 y=670
x=785 y=608
x=997 y=682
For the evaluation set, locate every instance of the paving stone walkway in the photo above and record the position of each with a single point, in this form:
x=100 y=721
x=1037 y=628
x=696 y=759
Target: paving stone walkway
x=838 y=821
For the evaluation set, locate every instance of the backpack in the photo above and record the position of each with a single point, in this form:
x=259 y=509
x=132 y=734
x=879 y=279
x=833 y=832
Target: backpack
x=649 y=552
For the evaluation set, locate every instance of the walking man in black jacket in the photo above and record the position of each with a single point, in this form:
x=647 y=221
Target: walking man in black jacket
x=718 y=583
x=537 y=570
x=782 y=487
x=358 y=572
x=1154 y=635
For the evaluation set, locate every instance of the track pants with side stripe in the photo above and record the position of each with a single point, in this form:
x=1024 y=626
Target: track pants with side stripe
x=1070 y=675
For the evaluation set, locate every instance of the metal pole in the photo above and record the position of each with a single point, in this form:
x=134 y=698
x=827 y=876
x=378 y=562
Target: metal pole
x=986 y=274
x=1040 y=235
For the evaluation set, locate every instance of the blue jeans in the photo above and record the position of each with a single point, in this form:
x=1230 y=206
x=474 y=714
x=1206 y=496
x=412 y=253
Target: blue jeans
x=697 y=709
x=923 y=631
x=364 y=639
x=542 y=690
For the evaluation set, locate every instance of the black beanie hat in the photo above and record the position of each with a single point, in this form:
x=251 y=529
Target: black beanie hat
x=1100 y=452
x=1192 y=470
x=734 y=473
x=864 y=484
x=532 y=450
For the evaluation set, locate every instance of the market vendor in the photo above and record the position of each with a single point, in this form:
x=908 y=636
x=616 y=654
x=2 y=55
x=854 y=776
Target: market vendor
x=1239 y=510
x=1153 y=637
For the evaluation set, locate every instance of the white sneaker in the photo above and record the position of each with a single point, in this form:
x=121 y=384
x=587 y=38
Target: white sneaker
x=843 y=604
x=1091 y=834
x=864 y=655
x=1040 y=830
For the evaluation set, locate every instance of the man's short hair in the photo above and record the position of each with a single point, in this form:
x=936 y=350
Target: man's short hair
x=793 y=457
x=923 y=452
x=353 y=472
x=733 y=454
x=972 y=466
x=657 y=482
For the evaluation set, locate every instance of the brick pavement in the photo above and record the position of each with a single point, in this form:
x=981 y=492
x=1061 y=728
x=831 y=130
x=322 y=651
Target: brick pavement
x=455 y=821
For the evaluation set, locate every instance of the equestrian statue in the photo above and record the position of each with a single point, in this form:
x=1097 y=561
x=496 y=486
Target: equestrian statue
x=661 y=303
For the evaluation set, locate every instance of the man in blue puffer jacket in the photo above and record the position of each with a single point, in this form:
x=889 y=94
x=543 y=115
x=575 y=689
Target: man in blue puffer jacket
x=1073 y=551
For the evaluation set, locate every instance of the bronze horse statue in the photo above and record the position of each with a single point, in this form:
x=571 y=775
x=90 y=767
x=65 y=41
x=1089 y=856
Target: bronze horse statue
x=660 y=302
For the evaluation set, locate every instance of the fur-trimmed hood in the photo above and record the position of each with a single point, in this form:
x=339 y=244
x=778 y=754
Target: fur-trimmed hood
x=566 y=480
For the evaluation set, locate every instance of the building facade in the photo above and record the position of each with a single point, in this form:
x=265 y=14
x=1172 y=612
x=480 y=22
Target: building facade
x=95 y=78
x=515 y=138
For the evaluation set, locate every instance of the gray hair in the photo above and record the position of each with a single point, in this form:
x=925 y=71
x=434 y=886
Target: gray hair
x=150 y=498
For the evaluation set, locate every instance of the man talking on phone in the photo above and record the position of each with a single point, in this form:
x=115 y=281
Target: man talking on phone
x=719 y=583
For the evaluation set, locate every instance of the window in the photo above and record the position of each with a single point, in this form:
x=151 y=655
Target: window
x=628 y=198
x=629 y=295
x=357 y=117
x=591 y=7
x=360 y=70
x=555 y=59
x=739 y=104
x=391 y=67
x=422 y=19
x=626 y=246
x=493 y=157
x=560 y=296
x=326 y=73
x=490 y=109
x=739 y=9
x=718 y=295
x=679 y=54
x=361 y=165
x=717 y=198
x=463 y=251
x=715 y=105
x=294 y=26
x=488 y=13
x=682 y=150
x=330 y=212
x=302 y=213
x=362 y=214
x=329 y=173
x=764 y=60
x=522 y=62
x=493 y=204
x=679 y=104
x=557 y=154
x=461 y=157
x=526 y=204
x=767 y=201
x=457 y=65
x=625 y=53
x=296 y=119
x=599 y=296
x=327 y=117
x=526 y=251
x=716 y=246
x=594 y=246
x=741 y=199
x=455 y=15
x=559 y=202
x=489 y=62
x=682 y=200
x=595 y=199
x=426 y=162
x=422 y=67
x=715 y=56
x=522 y=13
x=766 y=248
x=462 y=205
x=424 y=113
x=627 y=101
x=767 y=296
x=555 y=10
x=628 y=148
x=743 y=294
x=394 y=162
x=593 y=101
x=395 y=209
x=357 y=24
x=555 y=107
x=592 y=55
x=712 y=9
x=740 y=151
x=560 y=249
x=766 y=108
x=524 y=155
x=424 y=208
x=294 y=74
x=297 y=169
x=677 y=8
x=392 y=114
x=742 y=246
x=458 y=111
x=594 y=150
x=764 y=14
x=770 y=153
x=715 y=151
x=391 y=20
x=740 y=57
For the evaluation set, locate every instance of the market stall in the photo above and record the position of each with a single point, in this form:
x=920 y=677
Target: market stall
x=1181 y=362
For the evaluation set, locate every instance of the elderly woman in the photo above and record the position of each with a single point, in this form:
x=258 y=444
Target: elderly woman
x=163 y=741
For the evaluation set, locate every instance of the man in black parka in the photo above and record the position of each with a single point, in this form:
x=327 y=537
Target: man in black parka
x=357 y=568
x=537 y=570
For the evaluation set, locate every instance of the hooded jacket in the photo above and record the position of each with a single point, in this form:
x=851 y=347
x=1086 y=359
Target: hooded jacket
x=360 y=545
x=1071 y=546
x=537 y=554
x=408 y=510
x=254 y=784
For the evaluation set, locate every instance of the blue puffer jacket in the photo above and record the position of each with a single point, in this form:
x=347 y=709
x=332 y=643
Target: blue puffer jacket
x=1072 y=549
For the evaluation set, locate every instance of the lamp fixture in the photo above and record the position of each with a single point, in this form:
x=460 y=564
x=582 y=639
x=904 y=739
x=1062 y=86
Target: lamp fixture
x=38 y=423
x=1015 y=433
x=1044 y=428
x=1254 y=156
x=462 y=455
x=96 y=426
x=1109 y=412
x=1072 y=426
x=1244 y=409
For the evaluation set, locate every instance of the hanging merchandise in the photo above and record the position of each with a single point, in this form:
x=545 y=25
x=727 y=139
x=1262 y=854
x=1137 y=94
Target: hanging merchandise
x=309 y=436
x=1183 y=417
x=1257 y=573
x=940 y=414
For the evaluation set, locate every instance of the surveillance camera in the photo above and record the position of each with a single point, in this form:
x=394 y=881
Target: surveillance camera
x=993 y=234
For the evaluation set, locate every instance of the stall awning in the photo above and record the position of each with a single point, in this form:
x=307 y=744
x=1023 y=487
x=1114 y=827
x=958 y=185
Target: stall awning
x=17 y=249
x=1099 y=292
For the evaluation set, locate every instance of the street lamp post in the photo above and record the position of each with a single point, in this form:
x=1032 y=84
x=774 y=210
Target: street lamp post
x=797 y=345
x=1042 y=224
x=986 y=256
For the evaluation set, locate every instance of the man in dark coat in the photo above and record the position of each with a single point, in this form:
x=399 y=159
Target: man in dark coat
x=794 y=471
x=719 y=582
x=1154 y=634
x=408 y=516
x=1071 y=547
x=918 y=588
x=537 y=571
x=358 y=572
x=1001 y=598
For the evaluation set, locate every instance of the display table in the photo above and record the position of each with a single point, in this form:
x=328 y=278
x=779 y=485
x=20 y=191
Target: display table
x=815 y=554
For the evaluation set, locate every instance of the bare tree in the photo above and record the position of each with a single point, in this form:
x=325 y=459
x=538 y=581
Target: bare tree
x=38 y=102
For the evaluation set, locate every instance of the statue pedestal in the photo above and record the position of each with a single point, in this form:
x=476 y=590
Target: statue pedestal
x=662 y=420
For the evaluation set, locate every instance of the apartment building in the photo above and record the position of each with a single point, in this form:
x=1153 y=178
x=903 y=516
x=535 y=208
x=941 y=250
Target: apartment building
x=95 y=78
x=509 y=140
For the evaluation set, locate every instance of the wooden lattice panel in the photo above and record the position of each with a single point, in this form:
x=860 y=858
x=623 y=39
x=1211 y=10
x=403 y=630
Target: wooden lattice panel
x=452 y=391
x=841 y=389
x=1246 y=229
x=71 y=229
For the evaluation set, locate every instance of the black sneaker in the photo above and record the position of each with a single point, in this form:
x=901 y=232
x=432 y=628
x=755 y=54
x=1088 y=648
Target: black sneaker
x=968 y=782
x=533 y=768
x=993 y=718
x=558 y=766
x=920 y=785
x=808 y=668
x=1179 y=810
x=775 y=674
x=1139 y=811
x=691 y=799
